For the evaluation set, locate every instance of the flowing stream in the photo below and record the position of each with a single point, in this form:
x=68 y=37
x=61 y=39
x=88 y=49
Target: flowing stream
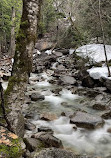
x=81 y=141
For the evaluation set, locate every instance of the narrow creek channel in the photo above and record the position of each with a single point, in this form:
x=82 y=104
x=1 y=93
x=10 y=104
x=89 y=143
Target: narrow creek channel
x=81 y=141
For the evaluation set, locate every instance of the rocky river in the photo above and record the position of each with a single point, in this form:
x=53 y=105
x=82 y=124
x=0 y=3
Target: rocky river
x=65 y=107
x=59 y=103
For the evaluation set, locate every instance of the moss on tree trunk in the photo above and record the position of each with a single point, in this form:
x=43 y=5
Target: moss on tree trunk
x=15 y=93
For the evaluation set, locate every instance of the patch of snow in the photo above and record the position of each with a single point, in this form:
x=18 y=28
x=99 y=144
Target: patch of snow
x=12 y=60
x=38 y=52
x=4 y=85
x=71 y=51
x=34 y=55
x=94 y=52
x=98 y=72
x=48 y=52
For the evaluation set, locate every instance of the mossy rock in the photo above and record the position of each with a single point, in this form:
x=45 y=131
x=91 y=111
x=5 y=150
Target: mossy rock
x=10 y=144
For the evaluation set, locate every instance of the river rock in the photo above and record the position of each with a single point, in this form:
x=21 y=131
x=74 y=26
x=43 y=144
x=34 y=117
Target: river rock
x=107 y=115
x=54 y=153
x=109 y=130
x=108 y=84
x=68 y=80
x=58 y=54
x=29 y=115
x=6 y=76
x=61 y=67
x=29 y=125
x=98 y=106
x=37 y=97
x=48 y=139
x=64 y=51
x=32 y=144
x=48 y=117
x=57 y=90
x=45 y=129
x=43 y=45
x=85 y=120
x=59 y=153
x=88 y=82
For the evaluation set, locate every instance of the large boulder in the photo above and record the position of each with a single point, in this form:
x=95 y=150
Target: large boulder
x=54 y=153
x=68 y=80
x=48 y=139
x=44 y=45
x=108 y=84
x=88 y=82
x=85 y=120
x=58 y=153
x=33 y=144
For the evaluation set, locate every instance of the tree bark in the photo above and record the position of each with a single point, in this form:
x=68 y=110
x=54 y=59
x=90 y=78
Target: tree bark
x=12 y=41
x=8 y=126
x=15 y=93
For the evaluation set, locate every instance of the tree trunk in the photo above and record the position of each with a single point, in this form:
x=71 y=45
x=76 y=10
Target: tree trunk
x=0 y=49
x=15 y=93
x=12 y=41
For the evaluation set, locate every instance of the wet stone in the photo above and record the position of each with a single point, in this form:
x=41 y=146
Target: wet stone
x=107 y=115
x=48 y=139
x=48 y=117
x=37 y=97
x=98 y=106
x=29 y=125
x=45 y=129
x=68 y=80
x=109 y=130
x=85 y=120
x=32 y=144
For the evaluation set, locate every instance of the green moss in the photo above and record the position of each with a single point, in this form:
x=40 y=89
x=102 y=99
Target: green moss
x=11 y=151
x=40 y=147
x=13 y=80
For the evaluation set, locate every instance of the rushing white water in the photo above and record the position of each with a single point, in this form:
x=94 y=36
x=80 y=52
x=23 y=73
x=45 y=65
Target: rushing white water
x=95 y=142
x=54 y=66
x=44 y=80
x=43 y=83
x=66 y=94
x=54 y=100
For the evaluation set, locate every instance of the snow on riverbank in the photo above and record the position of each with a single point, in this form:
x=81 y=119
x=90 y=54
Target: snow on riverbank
x=94 y=52
x=98 y=72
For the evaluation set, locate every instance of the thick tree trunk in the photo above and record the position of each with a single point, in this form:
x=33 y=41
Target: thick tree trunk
x=12 y=41
x=15 y=93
